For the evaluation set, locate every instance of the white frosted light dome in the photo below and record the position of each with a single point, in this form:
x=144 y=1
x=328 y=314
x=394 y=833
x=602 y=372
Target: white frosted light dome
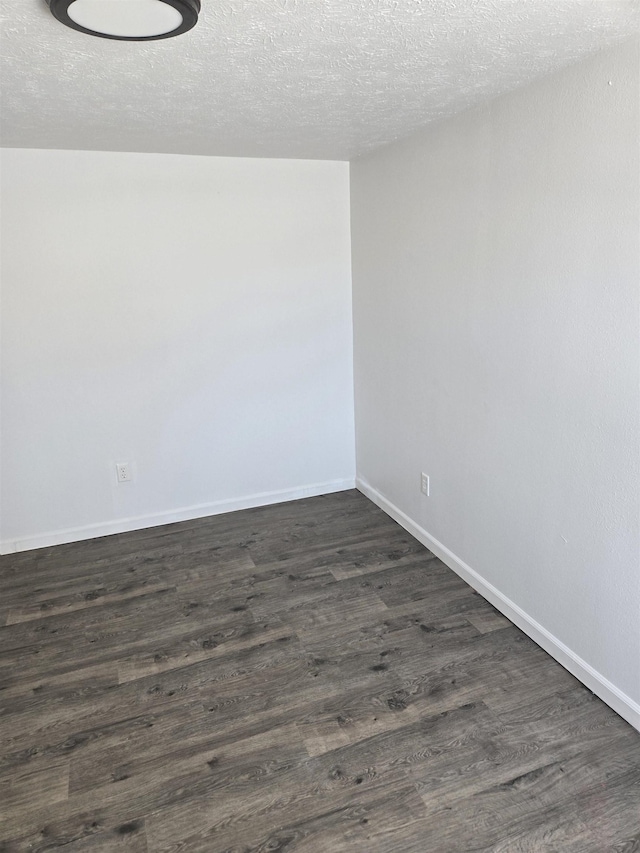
x=125 y=18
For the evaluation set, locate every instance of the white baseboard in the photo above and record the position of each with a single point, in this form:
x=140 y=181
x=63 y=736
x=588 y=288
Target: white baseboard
x=140 y=522
x=622 y=704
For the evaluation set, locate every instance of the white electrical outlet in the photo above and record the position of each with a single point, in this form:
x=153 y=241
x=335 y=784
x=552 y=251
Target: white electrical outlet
x=424 y=484
x=123 y=471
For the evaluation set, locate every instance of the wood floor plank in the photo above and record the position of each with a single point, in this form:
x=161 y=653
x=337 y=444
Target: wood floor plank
x=49 y=579
x=302 y=677
x=356 y=773
x=125 y=838
x=93 y=598
x=350 y=821
x=485 y=620
x=46 y=785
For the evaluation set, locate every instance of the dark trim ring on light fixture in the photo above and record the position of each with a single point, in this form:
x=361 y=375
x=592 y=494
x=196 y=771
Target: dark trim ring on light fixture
x=189 y=9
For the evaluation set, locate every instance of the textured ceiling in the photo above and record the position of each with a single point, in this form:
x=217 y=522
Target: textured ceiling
x=286 y=78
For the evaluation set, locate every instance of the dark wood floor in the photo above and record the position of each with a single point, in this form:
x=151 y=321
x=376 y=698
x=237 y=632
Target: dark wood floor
x=300 y=677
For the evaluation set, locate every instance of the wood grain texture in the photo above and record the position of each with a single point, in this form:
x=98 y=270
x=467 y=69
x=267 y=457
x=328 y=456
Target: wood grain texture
x=299 y=677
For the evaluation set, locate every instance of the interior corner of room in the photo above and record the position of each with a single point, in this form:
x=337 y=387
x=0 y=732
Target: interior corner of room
x=461 y=303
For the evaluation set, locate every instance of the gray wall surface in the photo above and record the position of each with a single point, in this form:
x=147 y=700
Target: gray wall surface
x=190 y=316
x=495 y=273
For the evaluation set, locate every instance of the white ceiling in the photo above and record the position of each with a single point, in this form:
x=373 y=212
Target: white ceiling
x=286 y=78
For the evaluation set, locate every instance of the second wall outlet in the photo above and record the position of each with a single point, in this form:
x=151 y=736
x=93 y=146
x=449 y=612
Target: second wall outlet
x=424 y=484
x=123 y=471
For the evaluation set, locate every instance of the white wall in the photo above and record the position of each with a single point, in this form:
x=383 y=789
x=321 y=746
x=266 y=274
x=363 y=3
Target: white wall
x=496 y=273
x=189 y=315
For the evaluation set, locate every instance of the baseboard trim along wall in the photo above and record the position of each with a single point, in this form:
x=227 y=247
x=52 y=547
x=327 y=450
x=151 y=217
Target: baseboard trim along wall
x=622 y=704
x=140 y=522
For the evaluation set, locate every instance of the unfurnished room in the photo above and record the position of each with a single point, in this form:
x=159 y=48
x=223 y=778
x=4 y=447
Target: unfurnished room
x=320 y=426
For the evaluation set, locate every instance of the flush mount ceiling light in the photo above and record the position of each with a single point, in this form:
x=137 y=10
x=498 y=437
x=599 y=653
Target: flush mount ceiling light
x=127 y=20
